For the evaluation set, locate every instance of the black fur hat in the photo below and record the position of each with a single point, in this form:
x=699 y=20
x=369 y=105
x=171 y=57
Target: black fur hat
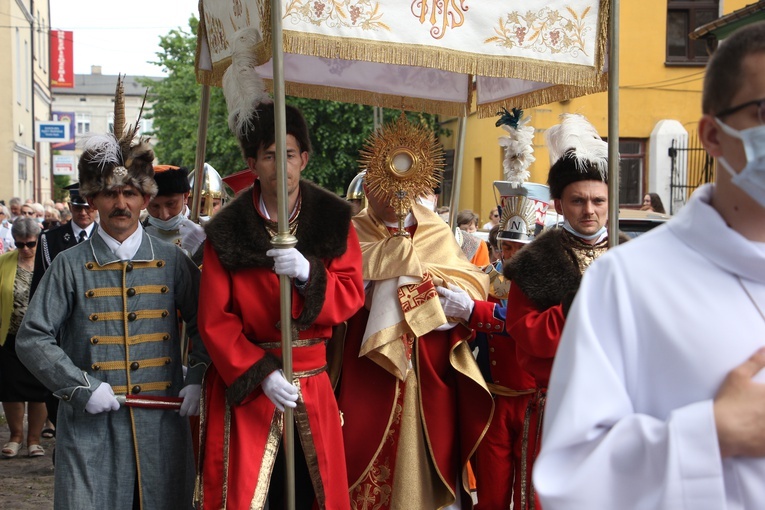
x=577 y=153
x=171 y=180
x=115 y=159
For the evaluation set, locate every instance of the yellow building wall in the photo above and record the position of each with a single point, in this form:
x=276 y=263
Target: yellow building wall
x=649 y=91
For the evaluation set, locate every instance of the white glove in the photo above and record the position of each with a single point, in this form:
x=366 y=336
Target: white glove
x=279 y=391
x=290 y=262
x=191 y=394
x=455 y=302
x=102 y=400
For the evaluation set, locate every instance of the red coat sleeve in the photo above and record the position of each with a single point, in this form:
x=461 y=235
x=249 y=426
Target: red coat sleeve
x=221 y=325
x=536 y=333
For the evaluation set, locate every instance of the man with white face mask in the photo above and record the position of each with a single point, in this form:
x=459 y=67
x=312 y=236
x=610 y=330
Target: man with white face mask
x=167 y=218
x=656 y=399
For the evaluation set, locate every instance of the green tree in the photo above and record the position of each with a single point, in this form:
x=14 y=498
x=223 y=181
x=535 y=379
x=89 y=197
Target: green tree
x=338 y=130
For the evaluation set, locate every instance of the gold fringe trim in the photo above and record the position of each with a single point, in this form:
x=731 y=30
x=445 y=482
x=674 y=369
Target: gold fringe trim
x=405 y=103
x=544 y=96
x=226 y=448
x=462 y=62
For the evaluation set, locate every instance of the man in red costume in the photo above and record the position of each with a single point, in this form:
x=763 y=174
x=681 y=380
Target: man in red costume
x=242 y=456
x=414 y=402
x=545 y=275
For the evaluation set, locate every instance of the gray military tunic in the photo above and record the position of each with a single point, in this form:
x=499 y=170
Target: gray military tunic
x=118 y=324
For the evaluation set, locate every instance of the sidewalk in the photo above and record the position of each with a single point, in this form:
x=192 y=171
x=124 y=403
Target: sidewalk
x=26 y=483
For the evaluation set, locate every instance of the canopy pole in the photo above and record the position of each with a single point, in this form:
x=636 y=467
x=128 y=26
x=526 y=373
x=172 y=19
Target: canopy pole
x=613 y=124
x=199 y=163
x=454 y=200
x=283 y=240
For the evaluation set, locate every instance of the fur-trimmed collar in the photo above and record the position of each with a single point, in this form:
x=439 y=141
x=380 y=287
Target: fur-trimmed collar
x=238 y=232
x=546 y=270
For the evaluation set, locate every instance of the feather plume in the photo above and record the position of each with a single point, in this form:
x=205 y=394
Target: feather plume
x=518 y=144
x=243 y=88
x=576 y=137
x=126 y=140
x=102 y=150
x=119 y=108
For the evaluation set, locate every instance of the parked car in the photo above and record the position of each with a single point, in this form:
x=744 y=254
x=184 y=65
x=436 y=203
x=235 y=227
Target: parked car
x=633 y=222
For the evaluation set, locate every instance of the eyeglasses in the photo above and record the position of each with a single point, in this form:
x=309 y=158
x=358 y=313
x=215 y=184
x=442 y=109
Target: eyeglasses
x=760 y=109
x=30 y=244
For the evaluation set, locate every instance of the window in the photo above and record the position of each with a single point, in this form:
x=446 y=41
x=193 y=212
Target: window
x=83 y=123
x=22 y=168
x=18 y=67
x=683 y=17
x=631 y=171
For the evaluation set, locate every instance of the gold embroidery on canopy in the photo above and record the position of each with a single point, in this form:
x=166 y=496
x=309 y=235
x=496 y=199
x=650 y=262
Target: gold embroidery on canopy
x=363 y=14
x=443 y=14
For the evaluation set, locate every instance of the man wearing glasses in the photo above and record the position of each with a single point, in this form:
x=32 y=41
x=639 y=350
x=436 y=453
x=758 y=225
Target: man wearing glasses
x=656 y=399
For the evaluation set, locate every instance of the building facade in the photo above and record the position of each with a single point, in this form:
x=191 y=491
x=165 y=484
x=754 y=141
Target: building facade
x=25 y=163
x=660 y=83
x=90 y=106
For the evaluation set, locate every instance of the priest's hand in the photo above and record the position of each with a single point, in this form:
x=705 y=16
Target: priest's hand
x=739 y=410
x=191 y=395
x=279 y=390
x=456 y=302
x=102 y=400
x=290 y=262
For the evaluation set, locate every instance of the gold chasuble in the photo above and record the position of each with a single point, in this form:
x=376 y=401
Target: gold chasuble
x=403 y=306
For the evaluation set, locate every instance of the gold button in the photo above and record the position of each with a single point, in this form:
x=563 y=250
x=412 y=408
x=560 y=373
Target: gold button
x=498 y=327
x=160 y=263
x=165 y=337
x=493 y=362
x=480 y=324
x=163 y=290
x=89 y=265
x=94 y=340
x=94 y=317
x=135 y=365
x=491 y=349
x=132 y=316
x=129 y=267
x=65 y=397
x=131 y=292
x=168 y=361
x=135 y=389
x=164 y=314
x=91 y=293
x=95 y=367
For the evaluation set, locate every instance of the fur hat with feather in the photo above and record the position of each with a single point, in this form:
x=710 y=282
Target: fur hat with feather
x=577 y=153
x=116 y=159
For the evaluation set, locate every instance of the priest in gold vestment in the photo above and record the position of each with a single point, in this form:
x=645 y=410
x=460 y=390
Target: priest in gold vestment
x=414 y=403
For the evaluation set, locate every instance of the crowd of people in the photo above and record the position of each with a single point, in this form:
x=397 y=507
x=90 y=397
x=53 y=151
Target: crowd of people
x=431 y=370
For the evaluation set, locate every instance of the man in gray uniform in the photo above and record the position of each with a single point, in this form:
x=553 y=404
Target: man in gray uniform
x=112 y=302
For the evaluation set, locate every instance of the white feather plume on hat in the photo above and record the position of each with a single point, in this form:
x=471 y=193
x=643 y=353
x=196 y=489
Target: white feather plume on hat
x=577 y=137
x=518 y=144
x=242 y=85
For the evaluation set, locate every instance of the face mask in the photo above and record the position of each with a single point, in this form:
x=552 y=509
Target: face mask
x=40 y=220
x=171 y=224
x=751 y=178
x=570 y=229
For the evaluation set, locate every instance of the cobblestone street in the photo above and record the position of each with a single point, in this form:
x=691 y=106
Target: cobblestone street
x=26 y=483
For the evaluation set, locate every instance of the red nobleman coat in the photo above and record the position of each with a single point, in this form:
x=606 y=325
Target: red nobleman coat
x=238 y=320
